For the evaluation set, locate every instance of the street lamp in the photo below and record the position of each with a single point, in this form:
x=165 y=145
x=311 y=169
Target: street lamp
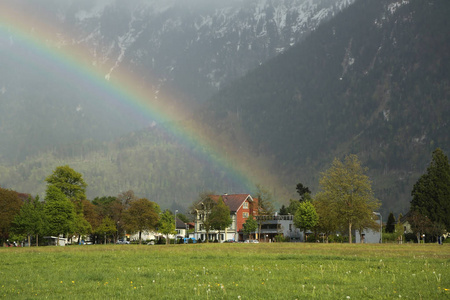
x=175 y=239
x=381 y=226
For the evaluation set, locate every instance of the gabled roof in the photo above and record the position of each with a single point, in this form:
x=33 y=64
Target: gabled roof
x=180 y=224
x=234 y=201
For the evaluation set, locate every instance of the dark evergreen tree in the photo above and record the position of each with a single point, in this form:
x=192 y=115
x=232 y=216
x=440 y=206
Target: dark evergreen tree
x=431 y=193
x=390 y=225
x=283 y=210
x=304 y=192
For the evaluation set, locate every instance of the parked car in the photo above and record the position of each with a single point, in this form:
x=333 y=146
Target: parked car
x=186 y=240
x=122 y=242
x=251 y=241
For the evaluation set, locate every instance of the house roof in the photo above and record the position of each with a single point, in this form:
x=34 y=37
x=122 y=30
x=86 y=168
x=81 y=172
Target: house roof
x=233 y=201
x=180 y=224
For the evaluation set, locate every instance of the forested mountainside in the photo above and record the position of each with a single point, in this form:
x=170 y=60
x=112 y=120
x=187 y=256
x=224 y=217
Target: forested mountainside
x=374 y=81
x=151 y=162
x=184 y=50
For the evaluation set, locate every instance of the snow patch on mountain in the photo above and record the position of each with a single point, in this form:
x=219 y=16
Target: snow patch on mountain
x=210 y=42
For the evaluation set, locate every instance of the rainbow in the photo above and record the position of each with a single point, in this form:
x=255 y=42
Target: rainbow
x=122 y=89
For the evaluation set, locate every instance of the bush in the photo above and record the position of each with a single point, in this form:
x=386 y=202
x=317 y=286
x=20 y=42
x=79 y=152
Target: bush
x=279 y=238
x=337 y=239
x=390 y=237
x=312 y=238
x=410 y=237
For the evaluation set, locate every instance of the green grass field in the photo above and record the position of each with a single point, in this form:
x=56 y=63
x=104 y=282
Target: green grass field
x=227 y=271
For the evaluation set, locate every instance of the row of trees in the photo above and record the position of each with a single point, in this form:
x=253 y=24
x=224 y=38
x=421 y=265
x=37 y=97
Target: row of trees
x=346 y=201
x=429 y=214
x=66 y=211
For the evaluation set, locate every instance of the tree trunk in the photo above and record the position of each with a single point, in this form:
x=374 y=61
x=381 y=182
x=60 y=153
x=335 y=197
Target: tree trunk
x=140 y=238
x=29 y=240
x=37 y=240
x=350 y=233
x=259 y=230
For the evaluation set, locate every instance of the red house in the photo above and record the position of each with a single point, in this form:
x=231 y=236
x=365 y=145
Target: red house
x=241 y=207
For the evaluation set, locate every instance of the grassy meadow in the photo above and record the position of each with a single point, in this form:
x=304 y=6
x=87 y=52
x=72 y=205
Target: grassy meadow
x=227 y=271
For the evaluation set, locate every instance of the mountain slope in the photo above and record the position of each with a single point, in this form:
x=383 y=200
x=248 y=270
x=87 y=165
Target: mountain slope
x=183 y=50
x=373 y=81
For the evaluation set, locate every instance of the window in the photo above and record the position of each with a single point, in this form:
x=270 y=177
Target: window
x=246 y=205
x=245 y=215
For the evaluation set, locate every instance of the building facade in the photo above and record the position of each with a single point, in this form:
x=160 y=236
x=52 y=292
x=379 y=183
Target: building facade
x=241 y=207
x=281 y=225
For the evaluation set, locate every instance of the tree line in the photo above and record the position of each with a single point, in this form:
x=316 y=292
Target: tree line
x=66 y=211
x=346 y=201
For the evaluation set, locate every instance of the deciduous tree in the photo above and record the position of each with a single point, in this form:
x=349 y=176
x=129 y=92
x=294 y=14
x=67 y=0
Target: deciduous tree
x=59 y=212
x=250 y=225
x=328 y=218
x=82 y=226
x=10 y=205
x=349 y=193
x=306 y=216
x=265 y=204
x=220 y=216
x=70 y=182
x=167 y=224
x=106 y=228
x=30 y=220
x=141 y=215
x=202 y=208
x=91 y=214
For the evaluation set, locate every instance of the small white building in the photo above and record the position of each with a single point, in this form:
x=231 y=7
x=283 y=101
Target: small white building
x=53 y=240
x=369 y=236
x=181 y=228
x=283 y=225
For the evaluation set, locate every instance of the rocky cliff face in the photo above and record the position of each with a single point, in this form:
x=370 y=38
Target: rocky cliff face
x=196 y=46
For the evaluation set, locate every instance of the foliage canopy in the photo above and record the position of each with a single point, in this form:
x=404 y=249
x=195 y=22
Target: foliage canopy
x=349 y=194
x=431 y=193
